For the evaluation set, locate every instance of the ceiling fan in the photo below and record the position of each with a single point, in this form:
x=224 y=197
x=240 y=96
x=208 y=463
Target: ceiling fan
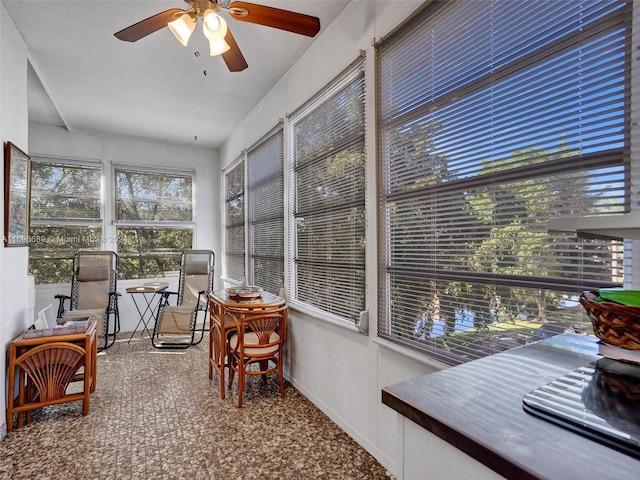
x=221 y=42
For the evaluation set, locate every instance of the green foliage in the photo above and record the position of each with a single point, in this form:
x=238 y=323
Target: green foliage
x=64 y=191
x=149 y=196
x=492 y=224
x=65 y=202
x=52 y=247
x=151 y=252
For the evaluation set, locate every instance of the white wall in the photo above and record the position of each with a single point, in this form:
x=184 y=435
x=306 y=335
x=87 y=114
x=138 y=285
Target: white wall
x=47 y=140
x=14 y=315
x=339 y=369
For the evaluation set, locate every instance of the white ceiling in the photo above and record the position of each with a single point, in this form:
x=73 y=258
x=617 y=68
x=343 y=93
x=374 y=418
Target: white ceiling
x=82 y=77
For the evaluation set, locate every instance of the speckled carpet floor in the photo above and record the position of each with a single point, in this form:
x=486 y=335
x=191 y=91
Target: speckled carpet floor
x=156 y=415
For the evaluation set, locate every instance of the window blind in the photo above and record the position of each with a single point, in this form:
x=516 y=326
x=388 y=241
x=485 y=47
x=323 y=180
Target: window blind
x=235 y=223
x=265 y=196
x=64 y=191
x=495 y=117
x=326 y=138
x=153 y=196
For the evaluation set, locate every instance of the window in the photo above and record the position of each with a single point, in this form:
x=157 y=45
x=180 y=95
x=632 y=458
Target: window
x=234 y=223
x=265 y=197
x=494 y=118
x=154 y=220
x=327 y=146
x=65 y=216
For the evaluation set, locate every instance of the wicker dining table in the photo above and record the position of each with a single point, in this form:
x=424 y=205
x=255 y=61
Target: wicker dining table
x=223 y=306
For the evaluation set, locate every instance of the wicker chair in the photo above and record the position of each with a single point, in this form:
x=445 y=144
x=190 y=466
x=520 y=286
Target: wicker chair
x=49 y=369
x=176 y=325
x=94 y=292
x=258 y=340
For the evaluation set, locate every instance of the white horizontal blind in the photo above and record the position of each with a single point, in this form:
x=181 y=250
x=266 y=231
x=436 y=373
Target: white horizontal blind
x=265 y=196
x=494 y=118
x=65 y=215
x=153 y=196
x=235 y=223
x=64 y=191
x=326 y=139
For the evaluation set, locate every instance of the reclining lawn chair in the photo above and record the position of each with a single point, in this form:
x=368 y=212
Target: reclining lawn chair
x=93 y=293
x=176 y=325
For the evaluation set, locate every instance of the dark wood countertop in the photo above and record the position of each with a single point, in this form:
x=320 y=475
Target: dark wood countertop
x=477 y=408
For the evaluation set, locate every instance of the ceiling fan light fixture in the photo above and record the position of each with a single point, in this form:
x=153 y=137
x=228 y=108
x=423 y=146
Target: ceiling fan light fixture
x=182 y=28
x=214 y=26
x=182 y=24
x=218 y=47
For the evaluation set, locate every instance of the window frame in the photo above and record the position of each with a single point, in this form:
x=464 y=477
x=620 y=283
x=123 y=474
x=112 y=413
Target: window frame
x=269 y=152
x=92 y=241
x=184 y=225
x=231 y=273
x=385 y=322
x=350 y=76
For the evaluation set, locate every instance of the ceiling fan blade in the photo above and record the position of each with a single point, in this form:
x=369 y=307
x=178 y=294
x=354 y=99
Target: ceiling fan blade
x=233 y=57
x=276 y=18
x=147 y=26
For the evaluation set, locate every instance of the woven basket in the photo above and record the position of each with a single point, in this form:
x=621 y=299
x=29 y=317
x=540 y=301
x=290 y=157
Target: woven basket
x=614 y=323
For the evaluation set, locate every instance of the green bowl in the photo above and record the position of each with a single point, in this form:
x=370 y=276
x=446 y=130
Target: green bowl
x=620 y=295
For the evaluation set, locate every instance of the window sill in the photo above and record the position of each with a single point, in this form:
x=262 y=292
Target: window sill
x=322 y=315
x=615 y=226
x=406 y=352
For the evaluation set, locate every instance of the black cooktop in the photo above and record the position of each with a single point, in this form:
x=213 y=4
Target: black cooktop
x=600 y=400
